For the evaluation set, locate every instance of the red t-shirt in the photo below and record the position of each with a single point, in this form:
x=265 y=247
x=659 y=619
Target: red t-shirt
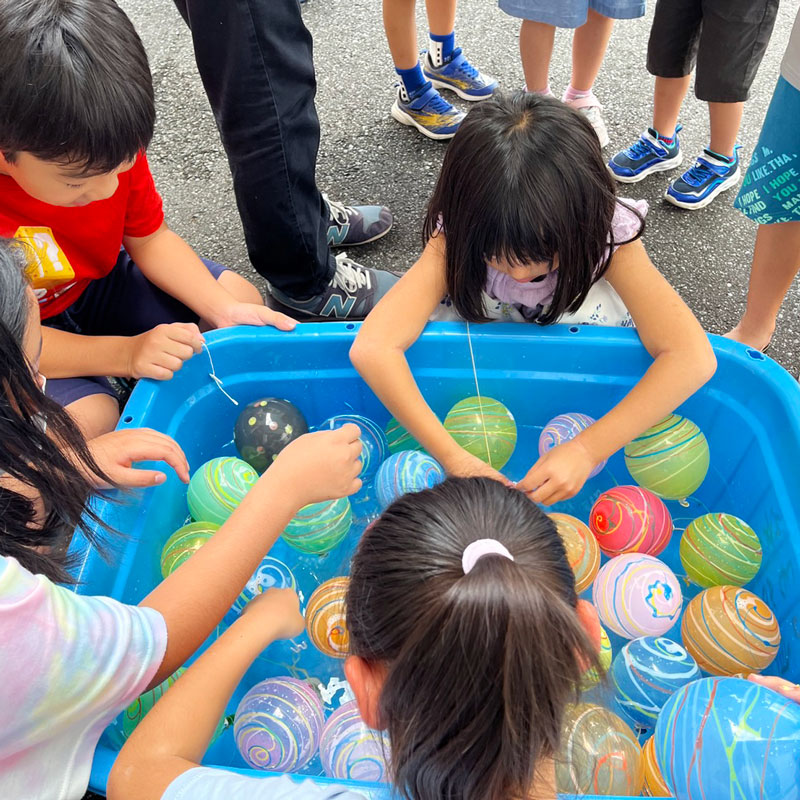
x=84 y=240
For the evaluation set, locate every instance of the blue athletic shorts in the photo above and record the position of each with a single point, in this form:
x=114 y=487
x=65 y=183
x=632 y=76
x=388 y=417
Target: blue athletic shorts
x=571 y=13
x=771 y=188
x=124 y=303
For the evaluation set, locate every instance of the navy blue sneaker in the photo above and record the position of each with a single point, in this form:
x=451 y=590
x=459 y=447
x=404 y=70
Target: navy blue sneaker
x=353 y=225
x=352 y=293
x=458 y=75
x=711 y=175
x=646 y=156
x=427 y=111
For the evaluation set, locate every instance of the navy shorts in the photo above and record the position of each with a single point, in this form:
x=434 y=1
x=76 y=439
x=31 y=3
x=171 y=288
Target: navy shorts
x=124 y=303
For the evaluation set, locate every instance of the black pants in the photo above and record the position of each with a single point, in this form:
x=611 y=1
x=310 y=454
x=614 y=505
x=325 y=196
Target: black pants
x=255 y=59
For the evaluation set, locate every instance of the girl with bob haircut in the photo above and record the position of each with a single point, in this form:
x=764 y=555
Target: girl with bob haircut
x=71 y=663
x=525 y=225
x=467 y=643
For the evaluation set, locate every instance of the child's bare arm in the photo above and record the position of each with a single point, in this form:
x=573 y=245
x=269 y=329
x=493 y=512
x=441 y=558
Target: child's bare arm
x=173 y=737
x=194 y=598
x=378 y=353
x=683 y=362
x=156 y=354
x=171 y=264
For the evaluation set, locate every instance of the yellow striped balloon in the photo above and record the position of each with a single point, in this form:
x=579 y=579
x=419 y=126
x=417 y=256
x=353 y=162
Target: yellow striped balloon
x=185 y=542
x=670 y=459
x=583 y=552
x=484 y=427
x=719 y=549
x=729 y=630
x=325 y=618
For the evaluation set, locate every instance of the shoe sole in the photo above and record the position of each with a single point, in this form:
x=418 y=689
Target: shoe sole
x=363 y=241
x=471 y=98
x=406 y=119
x=664 y=166
x=728 y=183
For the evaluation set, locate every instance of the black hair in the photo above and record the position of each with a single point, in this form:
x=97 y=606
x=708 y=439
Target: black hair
x=75 y=84
x=480 y=667
x=52 y=463
x=522 y=180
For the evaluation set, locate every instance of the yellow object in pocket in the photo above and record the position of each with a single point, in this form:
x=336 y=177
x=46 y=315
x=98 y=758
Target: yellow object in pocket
x=48 y=265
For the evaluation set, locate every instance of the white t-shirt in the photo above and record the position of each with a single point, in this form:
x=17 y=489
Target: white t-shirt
x=212 y=784
x=790 y=67
x=68 y=665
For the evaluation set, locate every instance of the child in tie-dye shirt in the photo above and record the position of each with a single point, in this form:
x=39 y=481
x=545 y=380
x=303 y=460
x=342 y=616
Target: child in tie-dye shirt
x=71 y=663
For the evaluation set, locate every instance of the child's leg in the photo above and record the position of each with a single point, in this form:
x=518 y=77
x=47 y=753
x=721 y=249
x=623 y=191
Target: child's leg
x=91 y=402
x=667 y=100
x=536 y=49
x=401 y=32
x=725 y=121
x=240 y=288
x=588 y=50
x=441 y=16
x=776 y=261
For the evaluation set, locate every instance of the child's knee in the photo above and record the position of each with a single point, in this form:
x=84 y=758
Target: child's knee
x=95 y=414
x=240 y=287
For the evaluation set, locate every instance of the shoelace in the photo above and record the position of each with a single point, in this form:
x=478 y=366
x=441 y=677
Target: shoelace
x=439 y=105
x=350 y=276
x=640 y=148
x=462 y=65
x=698 y=174
x=339 y=211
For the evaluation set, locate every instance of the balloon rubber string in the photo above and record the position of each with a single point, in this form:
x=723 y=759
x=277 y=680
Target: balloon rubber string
x=478 y=395
x=213 y=376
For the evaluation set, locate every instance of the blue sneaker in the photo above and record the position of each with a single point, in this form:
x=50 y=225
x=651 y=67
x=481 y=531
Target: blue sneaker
x=711 y=175
x=646 y=156
x=458 y=75
x=427 y=111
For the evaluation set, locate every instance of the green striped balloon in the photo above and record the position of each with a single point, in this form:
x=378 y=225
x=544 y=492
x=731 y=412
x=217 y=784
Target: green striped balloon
x=399 y=438
x=720 y=549
x=217 y=488
x=484 y=427
x=670 y=459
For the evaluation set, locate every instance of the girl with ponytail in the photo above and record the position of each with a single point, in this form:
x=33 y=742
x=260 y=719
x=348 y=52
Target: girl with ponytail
x=467 y=643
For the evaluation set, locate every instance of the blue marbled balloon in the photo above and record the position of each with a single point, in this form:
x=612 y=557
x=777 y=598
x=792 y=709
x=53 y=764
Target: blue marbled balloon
x=645 y=674
x=374 y=445
x=729 y=738
x=404 y=472
x=270 y=574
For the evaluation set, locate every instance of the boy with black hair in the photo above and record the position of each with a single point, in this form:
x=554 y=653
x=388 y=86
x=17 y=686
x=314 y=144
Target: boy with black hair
x=119 y=293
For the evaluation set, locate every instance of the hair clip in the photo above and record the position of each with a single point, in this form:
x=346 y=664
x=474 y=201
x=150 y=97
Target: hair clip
x=476 y=550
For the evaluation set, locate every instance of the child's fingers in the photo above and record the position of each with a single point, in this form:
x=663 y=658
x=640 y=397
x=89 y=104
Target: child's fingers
x=140 y=478
x=156 y=446
x=280 y=321
x=349 y=433
x=532 y=480
x=187 y=333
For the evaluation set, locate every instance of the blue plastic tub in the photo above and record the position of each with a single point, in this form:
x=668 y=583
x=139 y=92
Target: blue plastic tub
x=749 y=412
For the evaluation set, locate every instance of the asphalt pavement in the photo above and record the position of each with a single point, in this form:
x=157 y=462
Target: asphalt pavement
x=365 y=156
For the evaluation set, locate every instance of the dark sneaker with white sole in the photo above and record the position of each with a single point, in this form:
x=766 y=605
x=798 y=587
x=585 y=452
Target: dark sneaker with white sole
x=353 y=225
x=353 y=291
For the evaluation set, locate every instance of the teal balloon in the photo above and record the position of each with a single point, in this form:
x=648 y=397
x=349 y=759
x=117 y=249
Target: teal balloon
x=319 y=527
x=217 y=488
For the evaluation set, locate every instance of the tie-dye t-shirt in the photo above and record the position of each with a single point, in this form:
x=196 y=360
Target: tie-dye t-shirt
x=211 y=784
x=68 y=665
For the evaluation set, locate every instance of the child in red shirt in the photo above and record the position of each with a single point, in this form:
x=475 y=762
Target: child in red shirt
x=119 y=293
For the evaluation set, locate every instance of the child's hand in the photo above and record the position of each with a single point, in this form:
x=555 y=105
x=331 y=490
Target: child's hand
x=786 y=688
x=116 y=452
x=252 y=314
x=160 y=352
x=276 y=612
x=321 y=466
x=465 y=465
x=559 y=474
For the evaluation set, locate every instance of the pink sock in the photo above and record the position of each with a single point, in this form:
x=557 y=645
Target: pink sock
x=573 y=94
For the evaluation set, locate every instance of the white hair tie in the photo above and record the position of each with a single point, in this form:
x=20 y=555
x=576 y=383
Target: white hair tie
x=475 y=551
